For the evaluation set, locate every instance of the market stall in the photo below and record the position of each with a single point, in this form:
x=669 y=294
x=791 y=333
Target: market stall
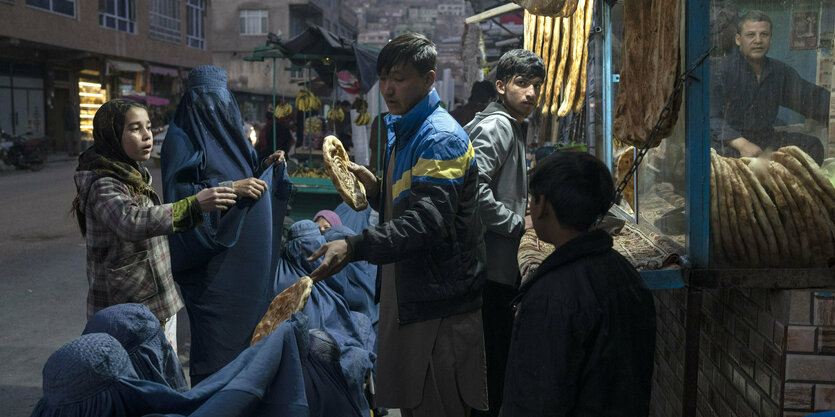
x=328 y=56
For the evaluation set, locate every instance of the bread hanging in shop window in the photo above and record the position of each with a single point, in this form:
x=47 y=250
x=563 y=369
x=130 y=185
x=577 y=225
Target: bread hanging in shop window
x=650 y=67
x=550 y=8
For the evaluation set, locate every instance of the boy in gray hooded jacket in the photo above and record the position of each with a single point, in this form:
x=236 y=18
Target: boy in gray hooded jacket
x=497 y=134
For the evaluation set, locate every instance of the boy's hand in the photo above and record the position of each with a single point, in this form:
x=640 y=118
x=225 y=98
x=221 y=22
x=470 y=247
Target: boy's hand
x=368 y=180
x=337 y=255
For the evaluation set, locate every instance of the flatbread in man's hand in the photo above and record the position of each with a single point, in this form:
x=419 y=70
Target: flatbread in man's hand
x=291 y=300
x=346 y=183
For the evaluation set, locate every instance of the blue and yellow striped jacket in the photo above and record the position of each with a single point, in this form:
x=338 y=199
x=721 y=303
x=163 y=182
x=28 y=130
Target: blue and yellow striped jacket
x=435 y=237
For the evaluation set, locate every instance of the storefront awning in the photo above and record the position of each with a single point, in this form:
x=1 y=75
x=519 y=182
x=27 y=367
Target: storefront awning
x=171 y=72
x=150 y=100
x=125 y=66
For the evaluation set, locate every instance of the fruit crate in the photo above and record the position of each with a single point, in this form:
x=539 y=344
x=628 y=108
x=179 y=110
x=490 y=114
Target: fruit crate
x=311 y=195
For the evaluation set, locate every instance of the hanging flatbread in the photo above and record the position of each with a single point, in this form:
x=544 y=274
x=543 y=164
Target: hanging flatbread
x=580 y=97
x=291 y=300
x=546 y=49
x=346 y=183
x=625 y=161
x=550 y=79
x=560 y=74
x=578 y=41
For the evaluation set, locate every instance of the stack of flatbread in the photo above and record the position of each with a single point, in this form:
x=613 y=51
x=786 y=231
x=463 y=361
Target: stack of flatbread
x=562 y=42
x=777 y=212
x=336 y=164
x=291 y=300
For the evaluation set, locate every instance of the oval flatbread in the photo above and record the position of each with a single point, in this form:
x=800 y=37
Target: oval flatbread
x=346 y=183
x=291 y=300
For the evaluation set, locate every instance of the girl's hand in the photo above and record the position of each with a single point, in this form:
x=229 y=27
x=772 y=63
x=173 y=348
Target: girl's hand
x=249 y=187
x=216 y=198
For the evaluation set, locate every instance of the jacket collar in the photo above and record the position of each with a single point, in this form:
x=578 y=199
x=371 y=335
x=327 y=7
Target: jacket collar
x=406 y=125
x=498 y=107
x=590 y=243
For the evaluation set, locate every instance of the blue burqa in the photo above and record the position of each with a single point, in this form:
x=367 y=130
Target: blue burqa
x=328 y=310
x=356 y=282
x=140 y=333
x=226 y=266
x=92 y=376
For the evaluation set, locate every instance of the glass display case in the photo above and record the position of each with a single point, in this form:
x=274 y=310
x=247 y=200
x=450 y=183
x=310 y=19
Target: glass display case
x=91 y=96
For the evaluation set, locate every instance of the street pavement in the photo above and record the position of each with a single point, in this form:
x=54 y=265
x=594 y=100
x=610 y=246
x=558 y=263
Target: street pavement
x=43 y=281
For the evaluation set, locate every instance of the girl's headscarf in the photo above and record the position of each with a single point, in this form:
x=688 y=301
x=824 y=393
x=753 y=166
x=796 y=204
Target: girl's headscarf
x=107 y=158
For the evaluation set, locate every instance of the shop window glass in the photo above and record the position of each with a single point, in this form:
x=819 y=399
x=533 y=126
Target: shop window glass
x=118 y=14
x=165 y=20
x=771 y=77
x=254 y=22
x=655 y=198
x=196 y=17
x=65 y=7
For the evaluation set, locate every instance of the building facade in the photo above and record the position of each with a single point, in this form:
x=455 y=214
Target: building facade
x=66 y=57
x=239 y=26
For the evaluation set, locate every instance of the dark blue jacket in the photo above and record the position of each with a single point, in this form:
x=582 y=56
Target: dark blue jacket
x=435 y=237
x=583 y=339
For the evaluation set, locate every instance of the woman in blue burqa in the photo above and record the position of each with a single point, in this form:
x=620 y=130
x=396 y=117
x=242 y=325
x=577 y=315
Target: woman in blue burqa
x=327 y=309
x=225 y=267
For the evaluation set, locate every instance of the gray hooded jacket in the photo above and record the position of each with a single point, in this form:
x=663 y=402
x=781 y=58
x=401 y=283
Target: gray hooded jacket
x=503 y=188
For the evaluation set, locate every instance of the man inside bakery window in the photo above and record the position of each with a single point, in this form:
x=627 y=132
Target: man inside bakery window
x=429 y=245
x=747 y=90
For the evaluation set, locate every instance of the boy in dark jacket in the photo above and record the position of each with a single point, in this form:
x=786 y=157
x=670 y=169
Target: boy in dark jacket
x=583 y=336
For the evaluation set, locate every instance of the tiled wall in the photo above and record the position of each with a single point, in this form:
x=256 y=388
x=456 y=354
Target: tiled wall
x=810 y=359
x=668 y=378
x=741 y=360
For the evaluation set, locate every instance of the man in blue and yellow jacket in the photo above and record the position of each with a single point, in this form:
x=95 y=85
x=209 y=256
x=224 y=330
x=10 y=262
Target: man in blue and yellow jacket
x=430 y=245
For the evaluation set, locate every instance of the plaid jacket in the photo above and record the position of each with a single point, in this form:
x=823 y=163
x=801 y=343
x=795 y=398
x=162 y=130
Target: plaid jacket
x=127 y=250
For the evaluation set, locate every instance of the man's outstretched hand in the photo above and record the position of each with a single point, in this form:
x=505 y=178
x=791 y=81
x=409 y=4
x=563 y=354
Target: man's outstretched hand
x=336 y=256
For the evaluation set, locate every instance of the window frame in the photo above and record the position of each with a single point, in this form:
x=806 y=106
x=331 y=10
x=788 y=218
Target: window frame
x=196 y=24
x=245 y=16
x=157 y=11
x=51 y=8
x=129 y=18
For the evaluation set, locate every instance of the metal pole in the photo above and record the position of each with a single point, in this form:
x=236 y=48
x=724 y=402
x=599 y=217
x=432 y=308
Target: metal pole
x=273 y=115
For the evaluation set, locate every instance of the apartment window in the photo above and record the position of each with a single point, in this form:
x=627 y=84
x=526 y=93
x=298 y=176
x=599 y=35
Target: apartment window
x=254 y=22
x=196 y=15
x=65 y=7
x=165 y=20
x=118 y=14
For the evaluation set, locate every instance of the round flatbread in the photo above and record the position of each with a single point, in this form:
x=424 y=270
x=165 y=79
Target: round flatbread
x=738 y=250
x=718 y=254
x=291 y=300
x=346 y=183
x=767 y=218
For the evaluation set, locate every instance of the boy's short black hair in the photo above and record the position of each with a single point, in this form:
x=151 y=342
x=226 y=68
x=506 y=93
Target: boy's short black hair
x=578 y=186
x=482 y=92
x=520 y=62
x=410 y=48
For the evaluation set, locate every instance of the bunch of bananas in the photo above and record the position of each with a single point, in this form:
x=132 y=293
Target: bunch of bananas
x=306 y=101
x=283 y=110
x=363 y=119
x=361 y=106
x=308 y=172
x=313 y=125
x=336 y=114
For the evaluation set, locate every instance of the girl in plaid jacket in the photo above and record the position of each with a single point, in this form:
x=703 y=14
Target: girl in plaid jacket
x=122 y=220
